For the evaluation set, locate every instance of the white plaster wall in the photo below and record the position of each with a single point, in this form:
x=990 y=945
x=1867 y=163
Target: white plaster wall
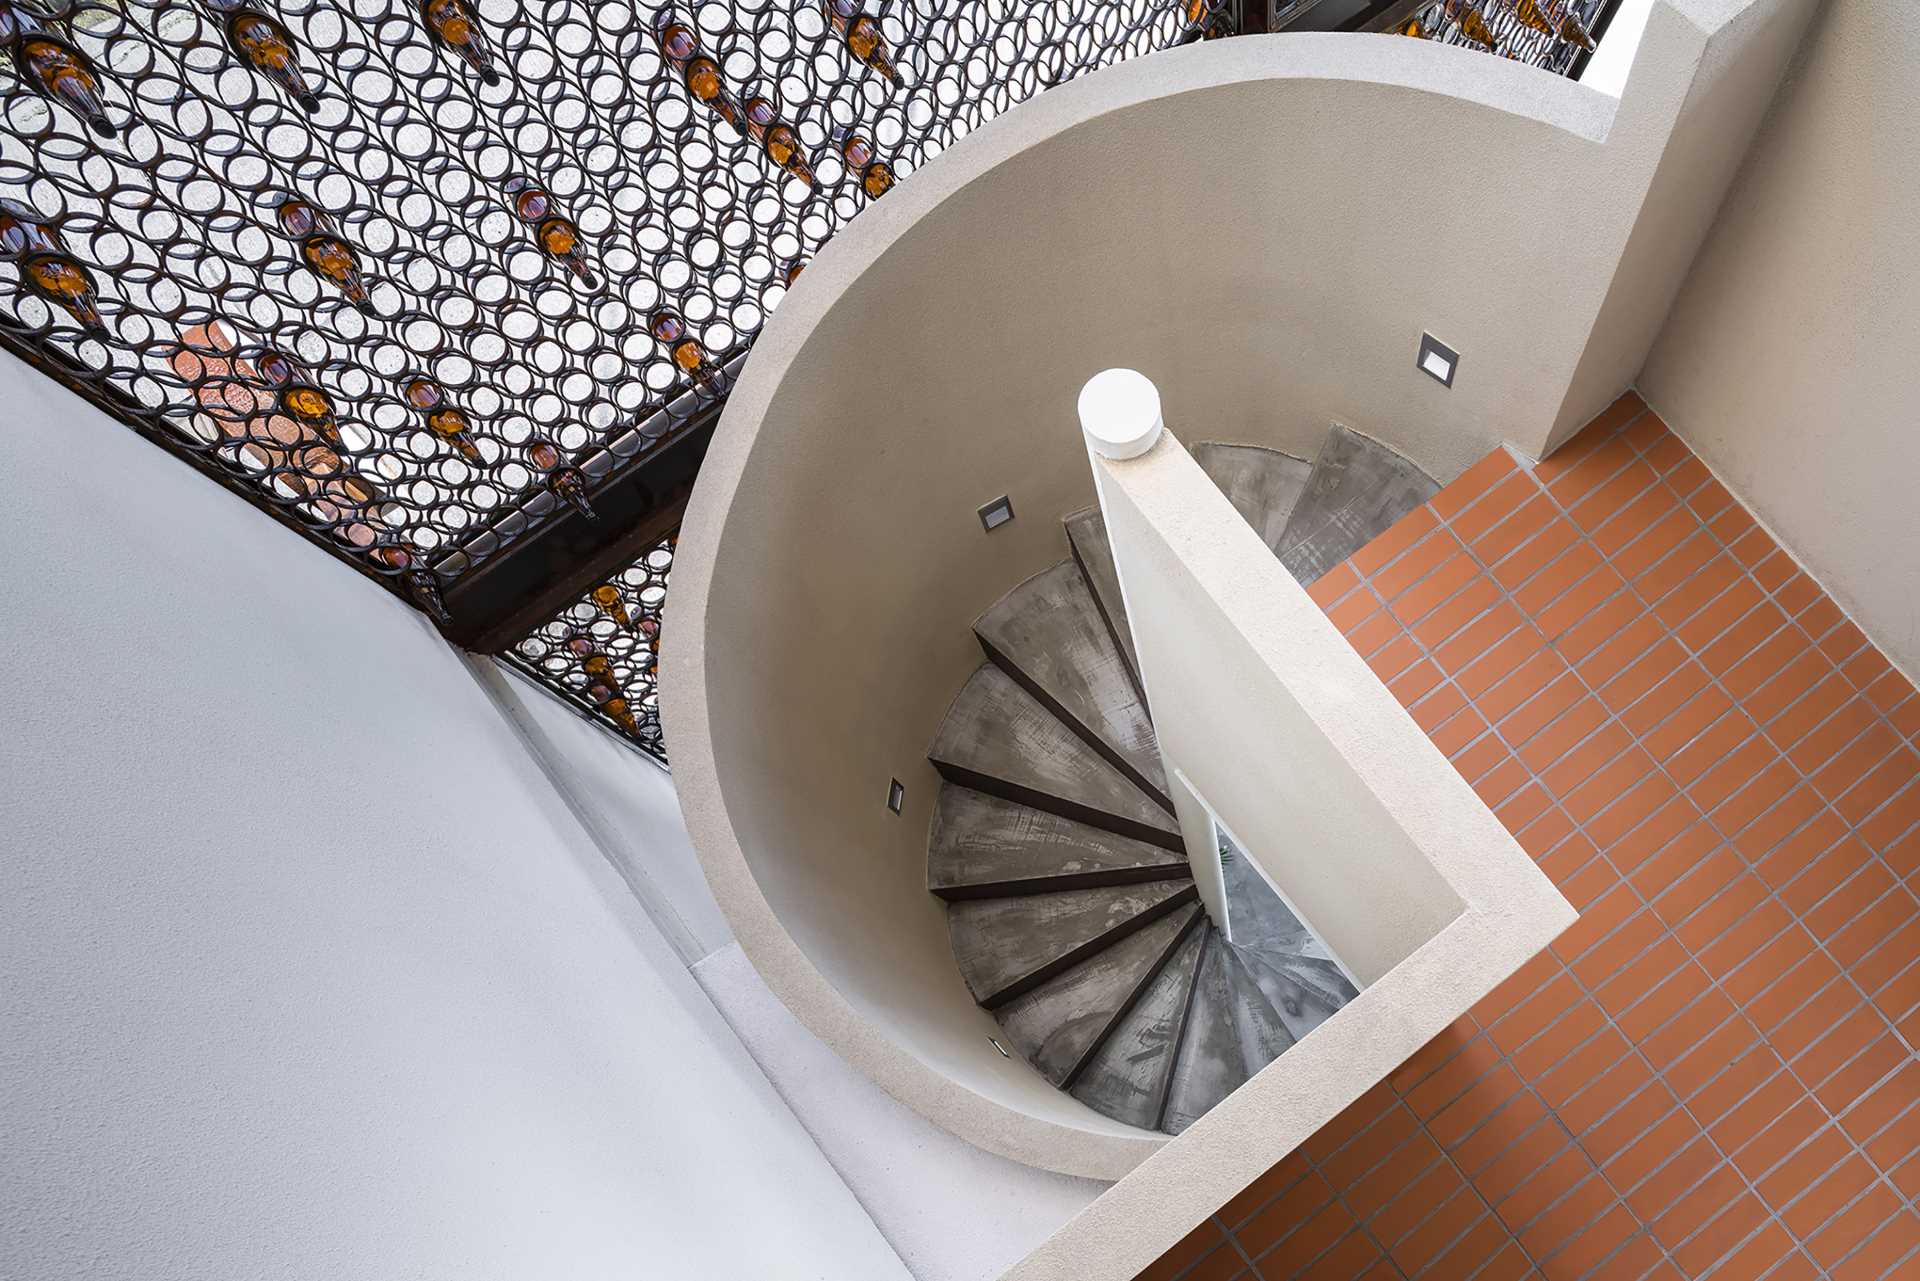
x=1235 y=728
x=1787 y=362
x=1740 y=51
x=626 y=802
x=305 y=971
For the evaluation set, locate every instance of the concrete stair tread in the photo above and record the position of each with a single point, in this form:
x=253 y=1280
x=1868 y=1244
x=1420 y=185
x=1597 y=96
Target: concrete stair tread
x=999 y=739
x=1007 y=947
x=1127 y=1078
x=1264 y=485
x=1357 y=490
x=1263 y=1033
x=1210 y=1064
x=983 y=846
x=1301 y=1007
x=1050 y=636
x=1093 y=553
x=1061 y=1024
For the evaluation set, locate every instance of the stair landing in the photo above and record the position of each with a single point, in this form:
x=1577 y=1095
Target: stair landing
x=1714 y=1069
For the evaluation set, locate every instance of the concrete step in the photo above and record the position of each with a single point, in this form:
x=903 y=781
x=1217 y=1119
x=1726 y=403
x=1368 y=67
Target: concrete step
x=1093 y=553
x=1049 y=635
x=1211 y=1064
x=982 y=846
x=1007 y=947
x=1302 y=1007
x=1262 y=484
x=997 y=738
x=1061 y=1024
x=1127 y=1078
x=1357 y=490
x=1262 y=1033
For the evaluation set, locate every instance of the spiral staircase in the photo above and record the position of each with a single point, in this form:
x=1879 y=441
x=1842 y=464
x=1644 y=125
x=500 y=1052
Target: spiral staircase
x=1072 y=909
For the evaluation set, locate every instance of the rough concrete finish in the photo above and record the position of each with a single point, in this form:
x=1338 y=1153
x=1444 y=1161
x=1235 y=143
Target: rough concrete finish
x=1210 y=1064
x=1262 y=484
x=1259 y=1027
x=1059 y=1024
x=983 y=846
x=1128 y=1078
x=1009 y=946
x=1049 y=635
x=1087 y=535
x=1301 y=1007
x=998 y=738
x=1357 y=490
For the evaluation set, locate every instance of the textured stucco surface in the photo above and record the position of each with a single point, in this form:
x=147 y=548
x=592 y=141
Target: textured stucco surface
x=1787 y=363
x=305 y=971
x=1271 y=280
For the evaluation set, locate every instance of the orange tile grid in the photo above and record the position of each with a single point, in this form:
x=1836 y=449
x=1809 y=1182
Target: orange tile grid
x=1713 y=1072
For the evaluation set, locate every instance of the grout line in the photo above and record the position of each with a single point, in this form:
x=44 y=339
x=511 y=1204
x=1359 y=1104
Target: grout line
x=1659 y=767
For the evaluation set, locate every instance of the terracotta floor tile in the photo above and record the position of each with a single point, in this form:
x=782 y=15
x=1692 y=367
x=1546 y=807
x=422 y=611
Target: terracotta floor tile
x=1764 y=808
x=1544 y=709
x=1470 y=486
x=1470 y=605
x=1890 y=1252
x=1592 y=470
x=1773 y=675
x=1613 y=496
x=1753 y=1113
x=1430 y=571
x=1194 y=1245
x=1404 y=534
x=1533 y=675
x=1693 y=554
x=1722 y=1236
x=1394 y=1222
x=1499 y=502
x=1853 y=1225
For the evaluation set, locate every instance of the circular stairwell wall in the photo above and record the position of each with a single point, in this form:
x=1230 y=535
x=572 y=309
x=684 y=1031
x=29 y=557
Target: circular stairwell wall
x=1263 y=226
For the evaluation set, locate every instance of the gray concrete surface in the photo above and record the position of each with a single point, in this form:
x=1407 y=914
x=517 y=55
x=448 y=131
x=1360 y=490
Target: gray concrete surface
x=998 y=738
x=1049 y=635
x=984 y=846
x=1059 y=1025
x=1358 y=489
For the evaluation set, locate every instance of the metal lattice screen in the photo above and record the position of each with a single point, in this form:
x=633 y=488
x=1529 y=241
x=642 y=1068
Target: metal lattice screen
x=601 y=653
x=414 y=275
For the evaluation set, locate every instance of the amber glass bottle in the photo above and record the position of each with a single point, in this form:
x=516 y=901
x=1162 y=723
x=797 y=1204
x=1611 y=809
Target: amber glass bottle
x=52 y=273
x=64 y=74
x=452 y=26
x=330 y=257
x=606 y=599
x=268 y=48
x=1465 y=15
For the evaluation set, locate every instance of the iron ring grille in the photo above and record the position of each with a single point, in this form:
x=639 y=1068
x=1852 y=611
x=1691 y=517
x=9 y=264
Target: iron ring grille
x=412 y=153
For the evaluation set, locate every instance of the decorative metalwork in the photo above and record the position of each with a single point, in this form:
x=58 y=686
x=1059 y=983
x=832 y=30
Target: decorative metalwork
x=1551 y=34
x=602 y=653
x=419 y=275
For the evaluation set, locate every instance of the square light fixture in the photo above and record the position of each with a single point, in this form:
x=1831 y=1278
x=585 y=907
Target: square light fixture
x=996 y=513
x=1437 y=360
x=896 y=795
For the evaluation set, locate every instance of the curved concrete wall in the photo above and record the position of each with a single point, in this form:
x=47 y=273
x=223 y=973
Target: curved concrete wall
x=1263 y=226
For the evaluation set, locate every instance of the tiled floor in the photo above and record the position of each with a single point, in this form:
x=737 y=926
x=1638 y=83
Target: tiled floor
x=1713 y=1072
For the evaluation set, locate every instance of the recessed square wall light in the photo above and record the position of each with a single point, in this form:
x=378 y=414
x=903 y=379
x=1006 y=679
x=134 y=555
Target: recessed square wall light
x=1437 y=360
x=896 y=795
x=996 y=513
